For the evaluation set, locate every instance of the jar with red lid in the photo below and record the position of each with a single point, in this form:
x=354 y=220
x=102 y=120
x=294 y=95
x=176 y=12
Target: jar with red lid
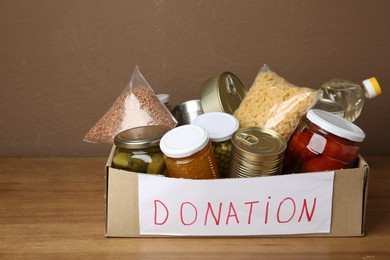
x=188 y=153
x=322 y=142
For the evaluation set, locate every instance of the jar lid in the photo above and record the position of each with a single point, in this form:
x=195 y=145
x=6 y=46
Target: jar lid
x=164 y=98
x=184 y=141
x=220 y=126
x=140 y=137
x=223 y=93
x=372 y=87
x=336 y=125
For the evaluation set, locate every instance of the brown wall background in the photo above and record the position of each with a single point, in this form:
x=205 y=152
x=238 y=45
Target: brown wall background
x=63 y=63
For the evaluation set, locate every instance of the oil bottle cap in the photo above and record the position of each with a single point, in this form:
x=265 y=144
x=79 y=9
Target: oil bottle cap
x=336 y=125
x=219 y=125
x=372 y=87
x=184 y=141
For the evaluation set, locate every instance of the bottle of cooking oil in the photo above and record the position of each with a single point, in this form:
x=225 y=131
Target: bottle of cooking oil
x=351 y=95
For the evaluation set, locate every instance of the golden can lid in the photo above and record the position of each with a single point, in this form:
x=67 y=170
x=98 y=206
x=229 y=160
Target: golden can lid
x=256 y=143
x=141 y=137
x=223 y=93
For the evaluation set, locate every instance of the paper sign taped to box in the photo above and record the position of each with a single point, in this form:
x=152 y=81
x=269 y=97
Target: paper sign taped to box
x=300 y=204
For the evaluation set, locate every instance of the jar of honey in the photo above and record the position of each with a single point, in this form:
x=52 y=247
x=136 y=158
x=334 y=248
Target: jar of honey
x=323 y=142
x=220 y=126
x=188 y=153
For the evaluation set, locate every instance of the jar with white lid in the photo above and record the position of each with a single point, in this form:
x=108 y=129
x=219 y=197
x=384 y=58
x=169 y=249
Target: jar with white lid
x=188 y=153
x=323 y=142
x=220 y=127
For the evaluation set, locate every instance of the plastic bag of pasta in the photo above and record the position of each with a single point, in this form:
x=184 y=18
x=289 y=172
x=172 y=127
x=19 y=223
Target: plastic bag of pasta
x=274 y=103
x=136 y=106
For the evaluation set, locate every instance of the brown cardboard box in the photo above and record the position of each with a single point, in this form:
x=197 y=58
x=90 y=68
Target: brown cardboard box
x=347 y=217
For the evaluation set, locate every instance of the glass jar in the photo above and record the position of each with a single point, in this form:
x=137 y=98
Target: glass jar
x=323 y=142
x=188 y=153
x=220 y=127
x=138 y=150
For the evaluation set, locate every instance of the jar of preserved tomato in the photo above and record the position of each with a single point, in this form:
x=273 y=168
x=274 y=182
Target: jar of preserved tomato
x=220 y=126
x=188 y=153
x=137 y=149
x=323 y=142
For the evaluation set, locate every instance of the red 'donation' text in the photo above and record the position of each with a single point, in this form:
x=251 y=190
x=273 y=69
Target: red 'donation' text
x=287 y=210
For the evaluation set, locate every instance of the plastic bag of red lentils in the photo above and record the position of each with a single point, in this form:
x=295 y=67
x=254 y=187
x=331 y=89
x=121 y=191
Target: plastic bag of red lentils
x=136 y=106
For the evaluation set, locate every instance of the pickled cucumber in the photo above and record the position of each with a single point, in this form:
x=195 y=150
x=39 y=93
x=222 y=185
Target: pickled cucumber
x=120 y=159
x=157 y=166
x=137 y=165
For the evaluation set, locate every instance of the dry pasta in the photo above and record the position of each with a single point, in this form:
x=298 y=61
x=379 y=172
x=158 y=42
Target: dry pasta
x=274 y=103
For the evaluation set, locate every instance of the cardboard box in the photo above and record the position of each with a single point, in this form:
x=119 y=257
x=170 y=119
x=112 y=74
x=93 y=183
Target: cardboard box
x=348 y=202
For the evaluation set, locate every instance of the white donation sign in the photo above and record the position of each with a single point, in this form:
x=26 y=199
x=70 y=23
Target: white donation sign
x=275 y=205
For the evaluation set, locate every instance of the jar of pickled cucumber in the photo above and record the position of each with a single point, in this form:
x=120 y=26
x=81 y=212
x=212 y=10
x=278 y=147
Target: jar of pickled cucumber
x=188 y=153
x=138 y=150
x=220 y=127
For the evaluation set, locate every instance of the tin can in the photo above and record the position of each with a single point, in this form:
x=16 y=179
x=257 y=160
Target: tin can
x=186 y=112
x=330 y=106
x=256 y=152
x=137 y=149
x=223 y=93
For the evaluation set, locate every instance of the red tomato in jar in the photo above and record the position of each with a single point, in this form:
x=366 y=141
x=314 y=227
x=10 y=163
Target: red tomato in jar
x=340 y=150
x=297 y=152
x=322 y=163
x=297 y=147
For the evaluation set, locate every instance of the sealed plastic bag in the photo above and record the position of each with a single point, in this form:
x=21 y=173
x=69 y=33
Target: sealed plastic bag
x=274 y=103
x=136 y=106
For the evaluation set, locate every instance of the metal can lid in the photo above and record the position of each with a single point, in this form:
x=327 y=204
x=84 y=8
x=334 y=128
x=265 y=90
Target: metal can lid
x=330 y=106
x=258 y=142
x=184 y=141
x=141 y=137
x=222 y=94
x=219 y=125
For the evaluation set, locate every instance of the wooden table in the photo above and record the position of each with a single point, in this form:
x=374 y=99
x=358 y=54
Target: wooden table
x=54 y=208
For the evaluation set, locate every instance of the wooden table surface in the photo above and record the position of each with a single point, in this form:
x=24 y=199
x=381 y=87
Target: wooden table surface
x=54 y=208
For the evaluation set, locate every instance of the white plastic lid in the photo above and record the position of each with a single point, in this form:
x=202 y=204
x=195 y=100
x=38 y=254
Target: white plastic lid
x=184 y=141
x=372 y=87
x=336 y=125
x=220 y=126
x=164 y=98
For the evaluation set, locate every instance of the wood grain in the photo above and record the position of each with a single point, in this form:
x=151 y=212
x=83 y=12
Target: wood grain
x=54 y=208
